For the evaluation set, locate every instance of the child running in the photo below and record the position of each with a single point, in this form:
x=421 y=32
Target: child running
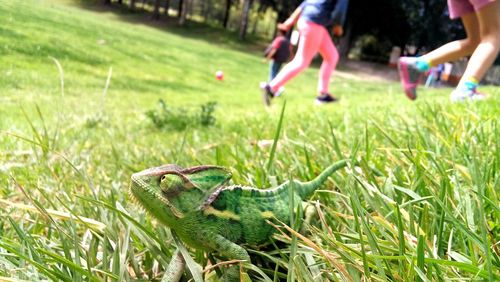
x=312 y=18
x=278 y=53
x=481 y=19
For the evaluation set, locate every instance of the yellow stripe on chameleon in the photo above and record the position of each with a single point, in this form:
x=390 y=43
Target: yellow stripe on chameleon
x=267 y=214
x=222 y=214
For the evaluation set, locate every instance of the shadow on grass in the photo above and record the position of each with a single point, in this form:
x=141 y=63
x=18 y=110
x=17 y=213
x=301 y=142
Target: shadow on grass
x=195 y=30
x=142 y=15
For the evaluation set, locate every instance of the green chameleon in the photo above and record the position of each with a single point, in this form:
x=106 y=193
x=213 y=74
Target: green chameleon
x=197 y=204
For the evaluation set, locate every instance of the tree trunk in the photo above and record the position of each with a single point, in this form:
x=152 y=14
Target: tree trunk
x=156 y=10
x=132 y=4
x=120 y=2
x=206 y=9
x=247 y=6
x=190 y=7
x=226 y=13
x=184 y=12
x=284 y=12
x=180 y=8
x=107 y=2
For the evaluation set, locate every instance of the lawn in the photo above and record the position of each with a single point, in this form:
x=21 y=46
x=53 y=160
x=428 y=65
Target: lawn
x=77 y=84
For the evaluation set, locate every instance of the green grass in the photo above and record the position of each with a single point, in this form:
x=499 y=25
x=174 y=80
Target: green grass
x=423 y=204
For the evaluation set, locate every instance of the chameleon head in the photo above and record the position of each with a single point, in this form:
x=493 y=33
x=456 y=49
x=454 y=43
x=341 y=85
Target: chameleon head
x=169 y=191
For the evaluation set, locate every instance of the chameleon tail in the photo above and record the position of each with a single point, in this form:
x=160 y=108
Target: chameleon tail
x=306 y=189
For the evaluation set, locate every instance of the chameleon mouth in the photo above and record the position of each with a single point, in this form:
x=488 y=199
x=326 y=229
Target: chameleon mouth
x=139 y=186
x=167 y=203
x=135 y=199
x=143 y=187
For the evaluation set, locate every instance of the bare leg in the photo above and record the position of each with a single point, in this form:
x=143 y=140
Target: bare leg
x=487 y=50
x=410 y=71
x=460 y=48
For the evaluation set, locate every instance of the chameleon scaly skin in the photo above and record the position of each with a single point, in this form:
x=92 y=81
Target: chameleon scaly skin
x=209 y=215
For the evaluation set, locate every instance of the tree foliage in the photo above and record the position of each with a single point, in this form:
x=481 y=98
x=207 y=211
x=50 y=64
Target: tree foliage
x=381 y=24
x=429 y=22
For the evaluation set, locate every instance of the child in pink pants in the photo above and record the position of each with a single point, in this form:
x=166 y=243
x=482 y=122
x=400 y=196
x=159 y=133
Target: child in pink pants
x=312 y=17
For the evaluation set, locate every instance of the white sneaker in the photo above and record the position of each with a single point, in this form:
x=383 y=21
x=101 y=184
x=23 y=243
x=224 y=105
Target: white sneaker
x=461 y=95
x=280 y=91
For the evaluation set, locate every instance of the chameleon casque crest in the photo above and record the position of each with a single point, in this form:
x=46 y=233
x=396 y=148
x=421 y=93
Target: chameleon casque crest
x=207 y=214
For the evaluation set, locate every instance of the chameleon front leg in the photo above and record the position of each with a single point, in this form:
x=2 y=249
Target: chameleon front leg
x=229 y=250
x=175 y=268
x=309 y=214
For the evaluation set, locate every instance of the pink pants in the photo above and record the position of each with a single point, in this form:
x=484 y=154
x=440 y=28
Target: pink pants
x=458 y=8
x=313 y=38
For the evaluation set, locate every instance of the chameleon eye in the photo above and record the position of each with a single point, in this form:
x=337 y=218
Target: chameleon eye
x=170 y=181
x=164 y=181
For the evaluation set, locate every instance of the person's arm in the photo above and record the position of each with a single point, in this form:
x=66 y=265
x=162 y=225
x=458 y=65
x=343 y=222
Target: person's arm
x=292 y=19
x=273 y=48
x=270 y=54
x=337 y=30
x=340 y=11
x=338 y=16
